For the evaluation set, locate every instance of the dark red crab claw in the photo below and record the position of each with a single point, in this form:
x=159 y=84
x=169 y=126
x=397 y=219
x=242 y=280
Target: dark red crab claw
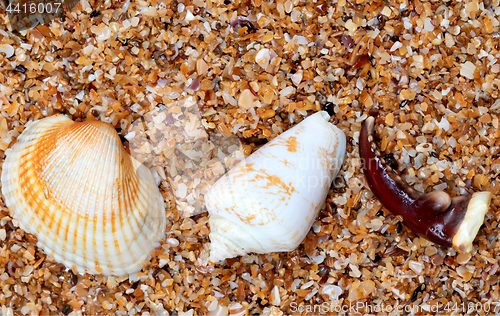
x=445 y=220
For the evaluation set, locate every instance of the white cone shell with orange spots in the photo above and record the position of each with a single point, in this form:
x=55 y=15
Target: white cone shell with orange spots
x=89 y=203
x=269 y=201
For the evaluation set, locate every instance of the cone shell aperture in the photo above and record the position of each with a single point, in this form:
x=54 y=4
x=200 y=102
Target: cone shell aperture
x=269 y=201
x=90 y=204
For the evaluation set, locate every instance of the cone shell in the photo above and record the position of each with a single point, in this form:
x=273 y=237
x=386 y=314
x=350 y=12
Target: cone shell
x=90 y=204
x=269 y=201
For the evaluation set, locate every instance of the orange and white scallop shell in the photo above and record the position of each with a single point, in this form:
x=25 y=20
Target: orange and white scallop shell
x=89 y=203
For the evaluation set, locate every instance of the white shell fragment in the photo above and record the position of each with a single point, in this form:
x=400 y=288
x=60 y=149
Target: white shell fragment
x=269 y=201
x=263 y=57
x=7 y=49
x=90 y=204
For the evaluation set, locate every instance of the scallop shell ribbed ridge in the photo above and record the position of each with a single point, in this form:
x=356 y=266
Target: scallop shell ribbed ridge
x=90 y=204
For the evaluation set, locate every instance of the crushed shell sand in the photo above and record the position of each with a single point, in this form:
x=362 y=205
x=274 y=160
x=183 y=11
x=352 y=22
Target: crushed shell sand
x=254 y=69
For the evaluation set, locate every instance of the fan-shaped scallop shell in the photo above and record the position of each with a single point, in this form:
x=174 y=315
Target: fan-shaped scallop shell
x=90 y=204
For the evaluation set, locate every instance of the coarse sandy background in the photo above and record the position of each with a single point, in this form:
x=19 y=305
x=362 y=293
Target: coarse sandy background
x=431 y=68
